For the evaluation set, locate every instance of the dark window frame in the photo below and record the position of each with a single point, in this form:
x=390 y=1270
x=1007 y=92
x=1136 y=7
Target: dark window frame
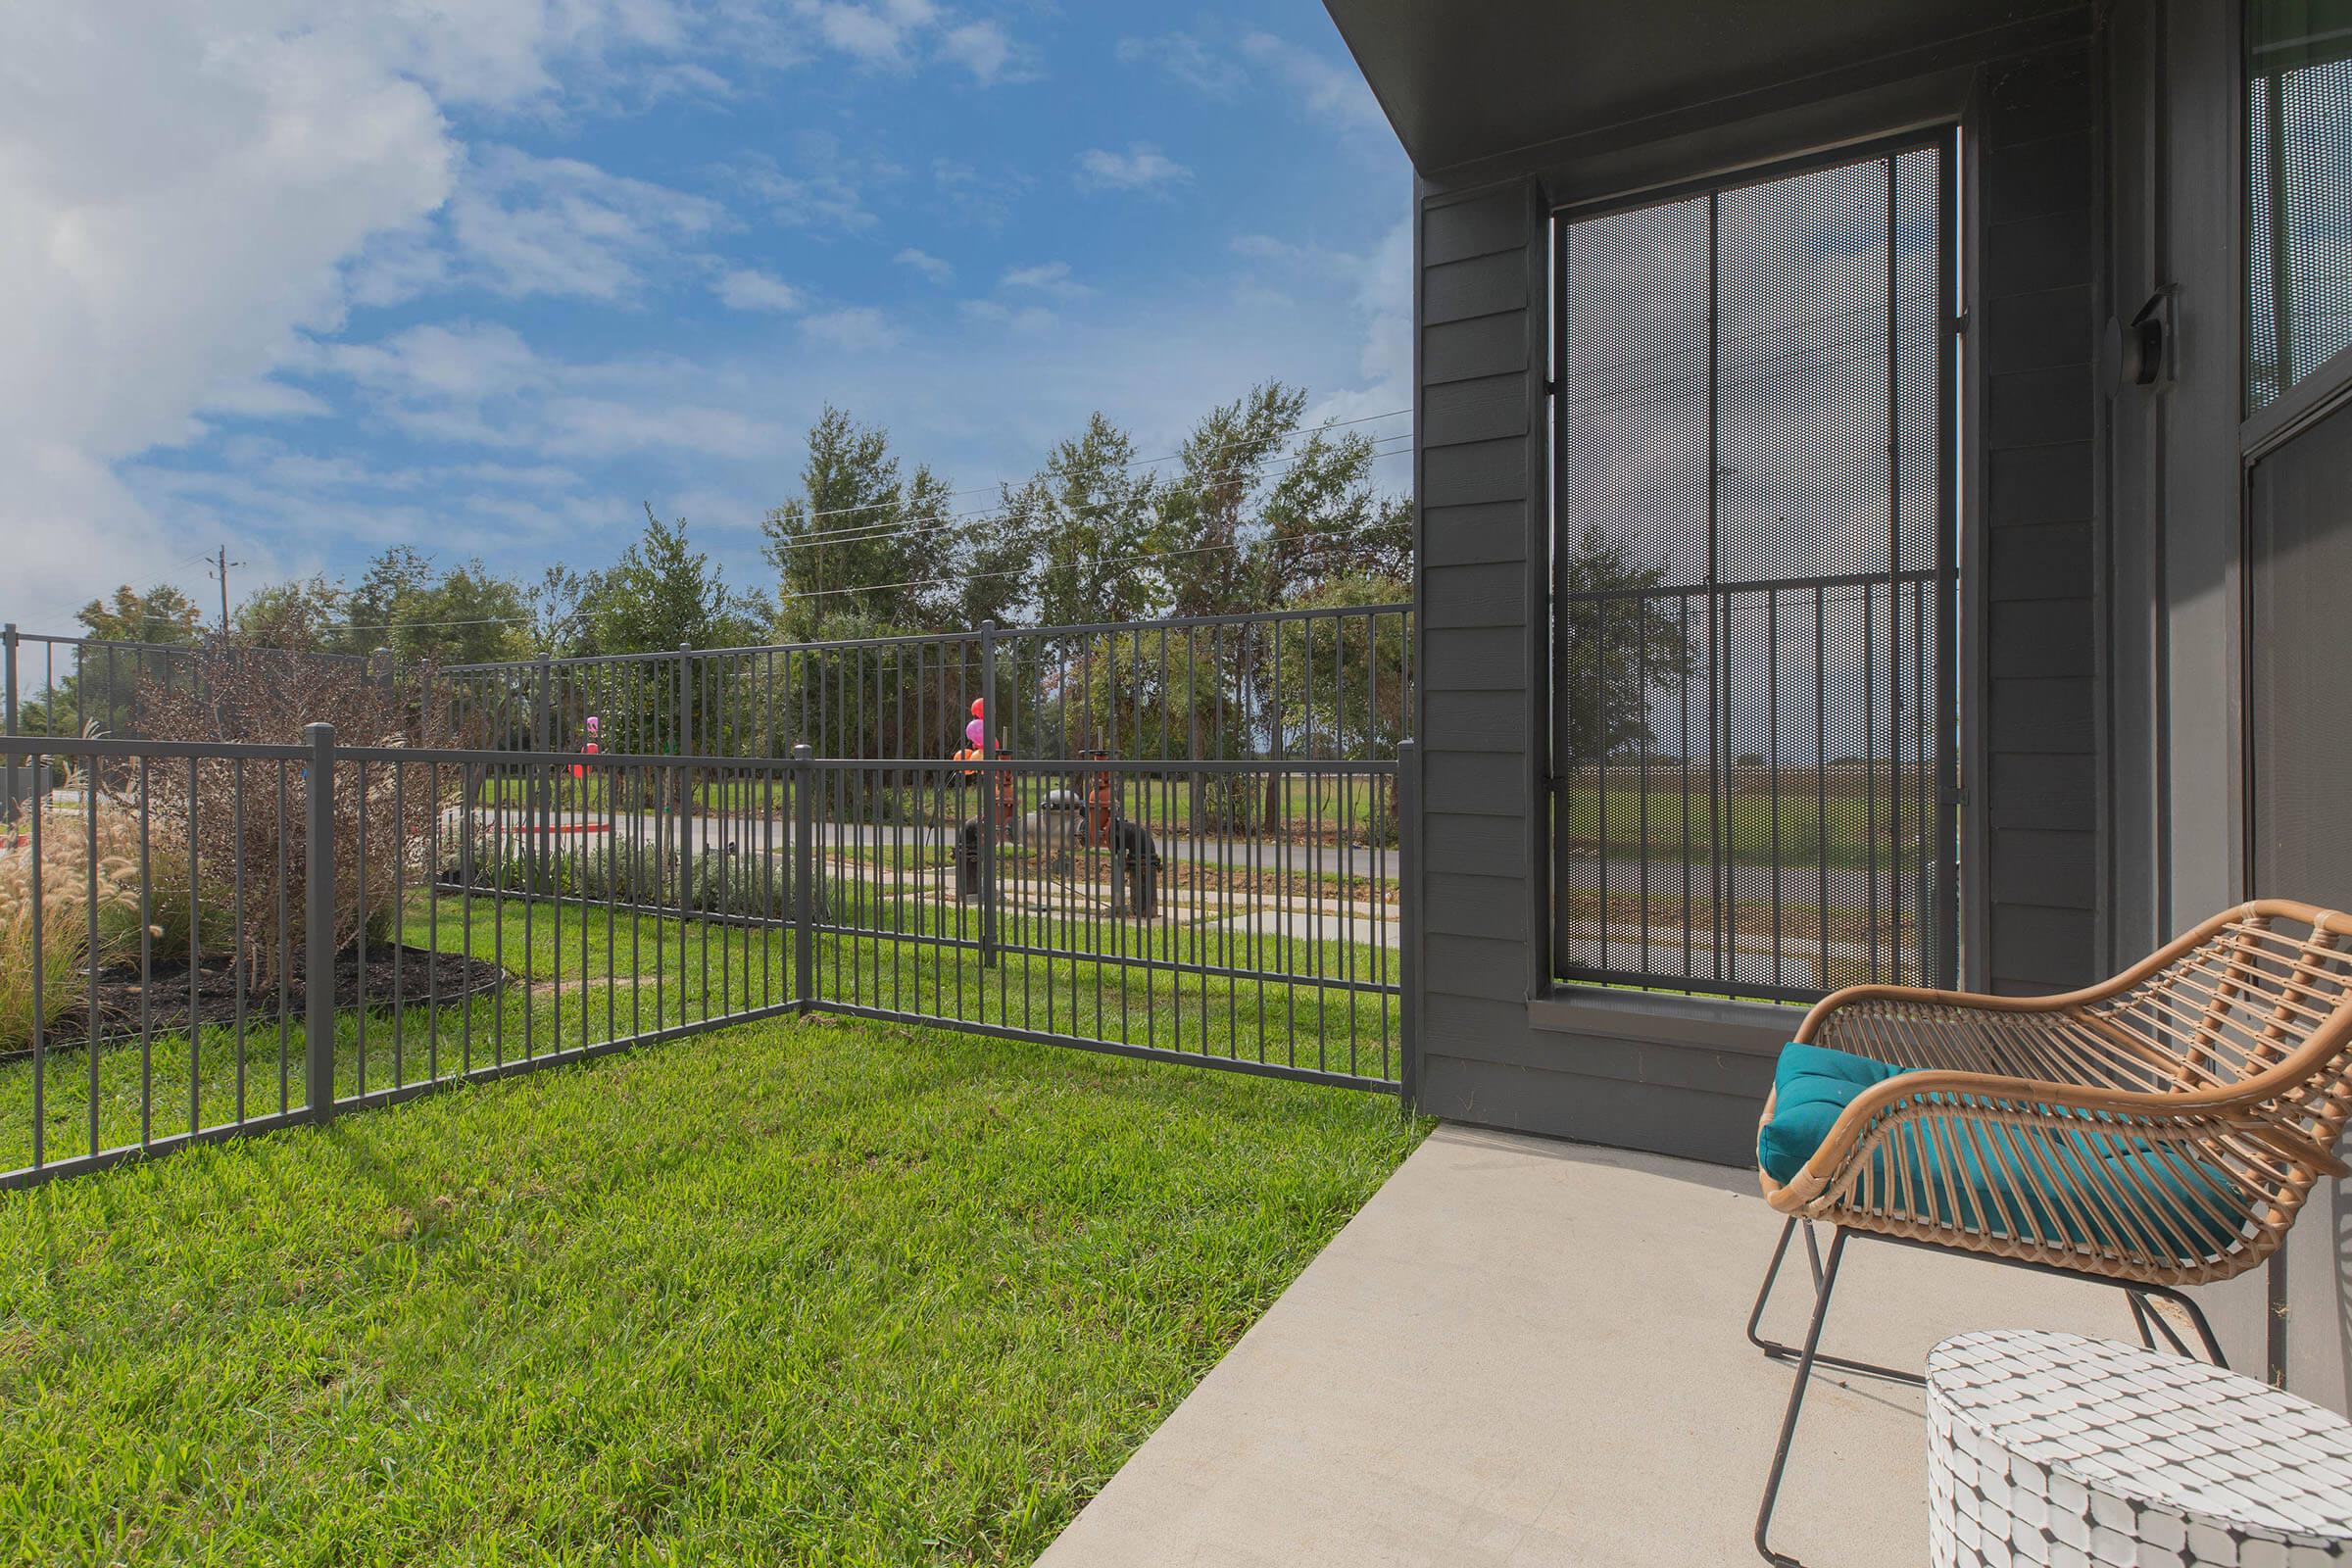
x=1952 y=898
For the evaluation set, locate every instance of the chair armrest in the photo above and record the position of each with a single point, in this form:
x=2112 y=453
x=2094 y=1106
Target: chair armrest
x=1924 y=999
x=1875 y=1116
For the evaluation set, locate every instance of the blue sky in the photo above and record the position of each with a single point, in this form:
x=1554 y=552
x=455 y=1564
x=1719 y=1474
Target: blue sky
x=310 y=279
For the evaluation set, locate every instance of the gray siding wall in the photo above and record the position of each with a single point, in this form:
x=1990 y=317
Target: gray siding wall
x=2038 y=346
x=1683 y=1076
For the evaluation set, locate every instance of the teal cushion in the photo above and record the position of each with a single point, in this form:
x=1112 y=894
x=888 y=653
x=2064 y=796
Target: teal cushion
x=1809 y=1089
x=2078 y=1184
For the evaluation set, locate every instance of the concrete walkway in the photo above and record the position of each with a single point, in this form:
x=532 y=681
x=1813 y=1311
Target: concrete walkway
x=1524 y=1353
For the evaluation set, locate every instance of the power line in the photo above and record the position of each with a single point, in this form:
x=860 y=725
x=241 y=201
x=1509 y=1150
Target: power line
x=826 y=593
x=1140 y=463
x=983 y=576
x=885 y=531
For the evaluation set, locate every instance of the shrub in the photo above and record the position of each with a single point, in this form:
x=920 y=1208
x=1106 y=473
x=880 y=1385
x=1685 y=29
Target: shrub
x=89 y=860
x=266 y=696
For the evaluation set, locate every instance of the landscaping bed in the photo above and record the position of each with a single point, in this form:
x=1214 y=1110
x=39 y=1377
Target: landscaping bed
x=213 y=998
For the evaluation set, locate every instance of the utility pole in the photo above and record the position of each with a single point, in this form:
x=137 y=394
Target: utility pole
x=221 y=565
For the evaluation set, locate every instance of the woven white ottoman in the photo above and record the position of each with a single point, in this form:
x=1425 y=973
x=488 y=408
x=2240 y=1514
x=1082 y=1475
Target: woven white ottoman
x=2059 y=1450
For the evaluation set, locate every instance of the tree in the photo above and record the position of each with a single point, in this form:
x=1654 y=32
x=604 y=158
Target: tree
x=1622 y=643
x=99 y=687
x=1086 y=521
x=161 y=616
x=297 y=615
x=1212 y=527
x=557 y=608
x=663 y=594
x=464 y=615
x=858 y=551
x=1325 y=523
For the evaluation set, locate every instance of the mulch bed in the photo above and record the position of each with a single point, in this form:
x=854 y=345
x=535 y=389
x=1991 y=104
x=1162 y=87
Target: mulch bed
x=444 y=976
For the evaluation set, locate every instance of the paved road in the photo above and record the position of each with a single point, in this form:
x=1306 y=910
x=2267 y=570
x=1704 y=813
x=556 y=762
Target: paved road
x=1330 y=859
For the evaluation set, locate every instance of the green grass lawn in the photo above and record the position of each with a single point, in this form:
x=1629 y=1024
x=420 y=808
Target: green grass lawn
x=1838 y=831
x=829 y=1291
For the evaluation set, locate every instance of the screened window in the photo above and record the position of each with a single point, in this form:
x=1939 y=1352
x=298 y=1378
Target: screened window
x=2299 y=190
x=1753 y=585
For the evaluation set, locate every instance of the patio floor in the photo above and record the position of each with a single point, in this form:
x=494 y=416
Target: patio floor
x=1529 y=1352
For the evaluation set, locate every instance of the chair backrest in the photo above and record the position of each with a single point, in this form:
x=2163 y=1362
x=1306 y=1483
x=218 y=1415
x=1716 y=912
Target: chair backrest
x=2259 y=996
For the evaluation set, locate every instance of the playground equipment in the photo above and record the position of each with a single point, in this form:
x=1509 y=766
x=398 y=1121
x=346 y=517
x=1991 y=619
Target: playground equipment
x=1063 y=822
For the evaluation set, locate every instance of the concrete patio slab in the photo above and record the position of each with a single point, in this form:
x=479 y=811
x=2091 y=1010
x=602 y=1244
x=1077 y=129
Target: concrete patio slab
x=1523 y=1352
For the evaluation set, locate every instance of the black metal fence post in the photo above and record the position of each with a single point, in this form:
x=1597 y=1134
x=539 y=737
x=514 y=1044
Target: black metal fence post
x=8 y=700
x=319 y=925
x=1408 y=923
x=540 y=801
x=804 y=878
x=988 y=793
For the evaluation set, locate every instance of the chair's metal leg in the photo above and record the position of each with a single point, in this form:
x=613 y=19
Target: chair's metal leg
x=1755 y=1316
x=1796 y=1399
x=2140 y=1319
x=1788 y=1352
x=2196 y=1316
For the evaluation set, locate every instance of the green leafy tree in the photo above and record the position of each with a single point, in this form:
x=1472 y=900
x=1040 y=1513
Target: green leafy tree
x=663 y=594
x=860 y=550
x=1212 y=528
x=1621 y=647
x=98 y=687
x=161 y=616
x=1087 y=523
x=465 y=615
x=1326 y=523
x=299 y=616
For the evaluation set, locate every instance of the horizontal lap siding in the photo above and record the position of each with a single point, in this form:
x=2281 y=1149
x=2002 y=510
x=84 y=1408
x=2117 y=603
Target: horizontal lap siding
x=2036 y=352
x=1483 y=942
x=1476 y=426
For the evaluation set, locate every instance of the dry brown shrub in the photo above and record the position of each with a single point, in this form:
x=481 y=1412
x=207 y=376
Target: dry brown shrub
x=255 y=813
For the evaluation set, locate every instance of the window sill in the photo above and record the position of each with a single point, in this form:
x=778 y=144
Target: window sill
x=1705 y=1023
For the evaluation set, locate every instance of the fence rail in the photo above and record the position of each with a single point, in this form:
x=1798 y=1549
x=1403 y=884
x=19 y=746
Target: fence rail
x=202 y=940
x=1328 y=682
x=1758 y=801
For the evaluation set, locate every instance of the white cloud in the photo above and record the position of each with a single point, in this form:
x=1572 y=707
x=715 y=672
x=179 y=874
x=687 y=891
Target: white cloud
x=1027 y=318
x=480 y=384
x=857 y=328
x=1142 y=166
x=983 y=49
x=180 y=196
x=1382 y=300
x=896 y=35
x=1189 y=59
x=1048 y=277
x=1330 y=91
x=1265 y=248
x=748 y=289
x=923 y=262
x=826 y=191
x=556 y=225
x=975 y=197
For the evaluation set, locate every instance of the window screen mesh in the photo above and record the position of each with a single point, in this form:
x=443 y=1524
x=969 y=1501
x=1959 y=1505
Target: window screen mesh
x=1750 y=586
x=2299 y=190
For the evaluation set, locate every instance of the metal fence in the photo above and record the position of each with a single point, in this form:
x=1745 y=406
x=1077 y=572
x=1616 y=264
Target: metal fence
x=1322 y=683
x=1754 y=808
x=73 y=686
x=204 y=940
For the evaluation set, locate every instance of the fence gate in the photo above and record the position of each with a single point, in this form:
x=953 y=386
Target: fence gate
x=1754 y=582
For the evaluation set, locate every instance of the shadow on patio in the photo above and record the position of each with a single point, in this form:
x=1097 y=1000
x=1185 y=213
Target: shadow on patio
x=1531 y=1353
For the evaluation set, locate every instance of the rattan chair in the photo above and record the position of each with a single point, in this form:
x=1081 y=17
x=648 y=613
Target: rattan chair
x=2160 y=1129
